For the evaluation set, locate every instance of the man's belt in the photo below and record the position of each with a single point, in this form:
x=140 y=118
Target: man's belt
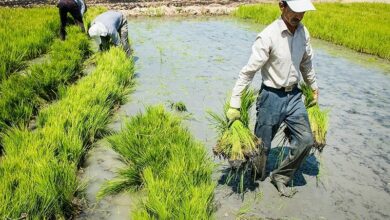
x=282 y=89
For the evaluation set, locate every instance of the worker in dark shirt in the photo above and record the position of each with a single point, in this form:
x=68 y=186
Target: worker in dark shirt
x=76 y=8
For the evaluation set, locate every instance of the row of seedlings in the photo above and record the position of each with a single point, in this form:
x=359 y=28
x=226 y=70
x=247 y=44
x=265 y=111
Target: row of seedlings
x=38 y=171
x=164 y=161
x=21 y=95
x=25 y=34
x=339 y=23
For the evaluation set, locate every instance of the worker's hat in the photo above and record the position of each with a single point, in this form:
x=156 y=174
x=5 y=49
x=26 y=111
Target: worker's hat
x=96 y=31
x=300 y=5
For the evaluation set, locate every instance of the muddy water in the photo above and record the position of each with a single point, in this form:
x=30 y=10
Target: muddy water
x=196 y=61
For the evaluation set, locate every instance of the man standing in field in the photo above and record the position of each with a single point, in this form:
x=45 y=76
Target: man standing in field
x=76 y=8
x=284 y=54
x=110 y=25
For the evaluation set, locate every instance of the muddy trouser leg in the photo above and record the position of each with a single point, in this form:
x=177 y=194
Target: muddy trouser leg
x=269 y=106
x=297 y=122
x=63 y=16
x=78 y=17
x=125 y=36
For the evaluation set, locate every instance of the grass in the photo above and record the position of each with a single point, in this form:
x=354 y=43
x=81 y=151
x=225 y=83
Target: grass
x=363 y=27
x=23 y=94
x=38 y=169
x=165 y=161
x=25 y=34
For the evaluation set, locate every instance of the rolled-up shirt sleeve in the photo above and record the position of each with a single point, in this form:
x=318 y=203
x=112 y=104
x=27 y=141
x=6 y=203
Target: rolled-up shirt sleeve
x=306 y=66
x=260 y=54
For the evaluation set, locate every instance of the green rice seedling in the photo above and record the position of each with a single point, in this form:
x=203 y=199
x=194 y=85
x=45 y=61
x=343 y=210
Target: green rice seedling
x=319 y=126
x=23 y=94
x=236 y=142
x=91 y=14
x=178 y=106
x=38 y=169
x=24 y=34
x=318 y=120
x=155 y=12
x=339 y=23
x=165 y=161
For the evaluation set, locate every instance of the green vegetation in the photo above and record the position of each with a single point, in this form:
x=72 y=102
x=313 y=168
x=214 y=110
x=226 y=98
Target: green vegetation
x=317 y=117
x=22 y=94
x=91 y=14
x=236 y=142
x=178 y=106
x=318 y=121
x=38 y=169
x=166 y=162
x=363 y=27
x=24 y=34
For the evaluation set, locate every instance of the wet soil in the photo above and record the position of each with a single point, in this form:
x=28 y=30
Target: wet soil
x=196 y=61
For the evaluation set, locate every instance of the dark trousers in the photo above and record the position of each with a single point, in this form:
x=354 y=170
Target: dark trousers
x=275 y=106
x=70 y=6
x=124 y=34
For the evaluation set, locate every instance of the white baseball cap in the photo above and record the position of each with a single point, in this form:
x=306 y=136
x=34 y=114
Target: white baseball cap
x=300 y=5
x=96 y=31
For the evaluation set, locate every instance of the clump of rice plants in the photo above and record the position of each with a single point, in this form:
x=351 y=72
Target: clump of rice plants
x=91 y=14
x=22 y=94
x=24 y=34
x=236 y=142
x=38 y=169
x=178 y=106
x=165 y=161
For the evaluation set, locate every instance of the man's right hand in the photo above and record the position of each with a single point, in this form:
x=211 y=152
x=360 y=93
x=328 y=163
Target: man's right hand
x=233 y=114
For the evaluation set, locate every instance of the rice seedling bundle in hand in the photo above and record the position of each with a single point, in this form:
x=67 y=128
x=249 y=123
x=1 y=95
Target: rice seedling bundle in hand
x=236 y=142
x=318 y=118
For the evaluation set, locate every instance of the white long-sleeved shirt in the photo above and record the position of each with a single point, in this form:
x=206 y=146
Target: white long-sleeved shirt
x=283 y=58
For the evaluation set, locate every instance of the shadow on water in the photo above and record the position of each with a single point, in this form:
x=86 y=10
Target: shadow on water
x=232 y=177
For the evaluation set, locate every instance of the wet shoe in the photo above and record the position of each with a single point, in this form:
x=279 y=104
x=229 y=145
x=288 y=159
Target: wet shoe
x=282 y=189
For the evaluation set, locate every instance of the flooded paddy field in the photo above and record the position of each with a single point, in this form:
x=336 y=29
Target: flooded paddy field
x=197 y=60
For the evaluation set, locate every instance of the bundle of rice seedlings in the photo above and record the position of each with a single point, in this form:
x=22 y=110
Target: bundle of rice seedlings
x=236 y=142
x=319 y=126
x=318 y=119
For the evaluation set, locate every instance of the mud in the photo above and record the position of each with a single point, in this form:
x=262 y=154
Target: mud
x=196 y=61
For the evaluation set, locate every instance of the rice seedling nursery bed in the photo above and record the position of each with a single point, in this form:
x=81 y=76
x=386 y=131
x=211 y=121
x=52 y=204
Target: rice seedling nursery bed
x=38 y=170
x=21 y=95
x=25 y=34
